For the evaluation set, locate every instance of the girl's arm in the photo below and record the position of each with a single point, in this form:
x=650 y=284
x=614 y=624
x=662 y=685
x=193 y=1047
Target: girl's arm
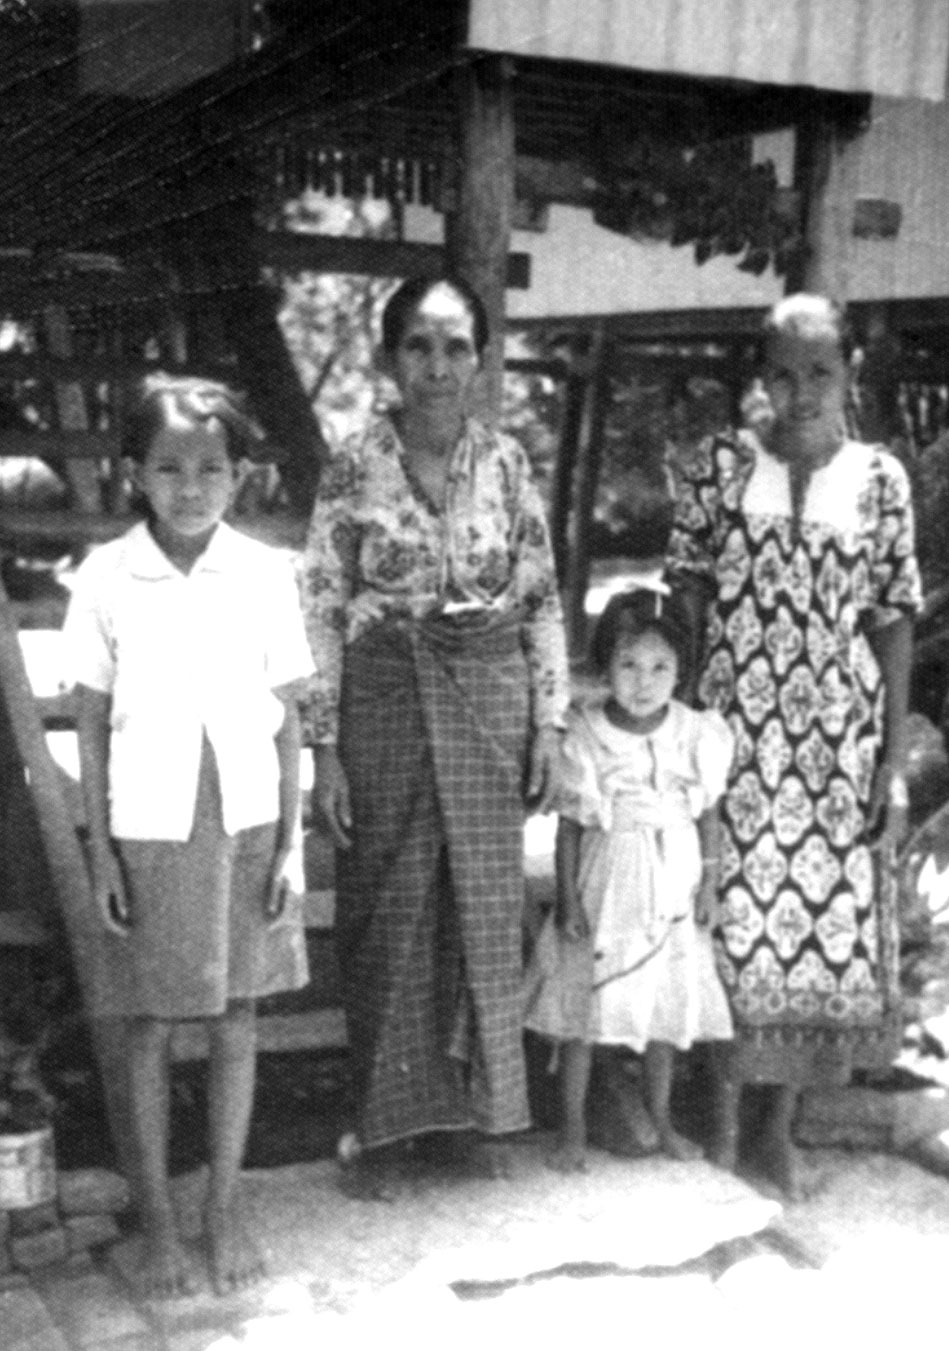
x=287 y=742
x=570 y=916
x=92 y=727
x=889 y=804
x=710 y=844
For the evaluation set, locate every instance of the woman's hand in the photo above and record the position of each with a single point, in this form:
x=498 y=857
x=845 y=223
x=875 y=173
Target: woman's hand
x=706 y=897
x=108 y=888
x=543 y=779
x=331 y=790
x=888 y=810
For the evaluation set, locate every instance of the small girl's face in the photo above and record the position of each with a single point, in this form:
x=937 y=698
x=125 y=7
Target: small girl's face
x=189 y=481
x=642 y=674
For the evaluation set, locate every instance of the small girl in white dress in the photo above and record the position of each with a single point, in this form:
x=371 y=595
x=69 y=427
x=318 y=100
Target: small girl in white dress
x=626 y=958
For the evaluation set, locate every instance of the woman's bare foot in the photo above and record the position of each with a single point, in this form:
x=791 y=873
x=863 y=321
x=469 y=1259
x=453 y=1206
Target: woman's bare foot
x=781 y=1165
x=375 y=1175
x=167 y=1271
x=235 y=1260
x=568 y=1157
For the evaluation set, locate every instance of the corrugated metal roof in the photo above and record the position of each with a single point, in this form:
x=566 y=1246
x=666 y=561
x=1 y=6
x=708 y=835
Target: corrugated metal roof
x=894 y=47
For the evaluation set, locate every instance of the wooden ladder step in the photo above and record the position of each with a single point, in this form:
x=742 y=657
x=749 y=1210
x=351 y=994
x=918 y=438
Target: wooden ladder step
x=312 y=1030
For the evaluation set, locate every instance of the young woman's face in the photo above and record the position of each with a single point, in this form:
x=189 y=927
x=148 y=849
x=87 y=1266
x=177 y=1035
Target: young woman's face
x=189 y=482
x=436 y=360
x=806 y=380
x=642 y=674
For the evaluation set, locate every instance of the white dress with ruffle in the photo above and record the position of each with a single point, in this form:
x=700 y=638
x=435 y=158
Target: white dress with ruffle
x=647 y=972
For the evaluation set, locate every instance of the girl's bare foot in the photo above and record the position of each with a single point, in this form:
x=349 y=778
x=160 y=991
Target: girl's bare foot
x=235 y=1260
x=167 y=1272
x=724 y=1149
x=568 y=1157
x=676 y=1146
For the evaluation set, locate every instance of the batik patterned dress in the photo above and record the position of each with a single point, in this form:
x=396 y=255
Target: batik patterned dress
x=806 y=939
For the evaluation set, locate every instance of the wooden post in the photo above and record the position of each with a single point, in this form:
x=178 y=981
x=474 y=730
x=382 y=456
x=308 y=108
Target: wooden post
x=596 y=409
x=478 y=234
x=823 y=175
x=70 y=878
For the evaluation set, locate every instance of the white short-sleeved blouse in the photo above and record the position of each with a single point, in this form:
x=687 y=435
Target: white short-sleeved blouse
x=184 y=655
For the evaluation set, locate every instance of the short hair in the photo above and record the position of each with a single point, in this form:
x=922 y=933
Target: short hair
x=629 y=614
x=402 y=304
x=159 y=400
x=806 y=315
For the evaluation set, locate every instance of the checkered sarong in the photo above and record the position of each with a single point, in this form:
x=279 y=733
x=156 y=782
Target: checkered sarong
x=430 y=897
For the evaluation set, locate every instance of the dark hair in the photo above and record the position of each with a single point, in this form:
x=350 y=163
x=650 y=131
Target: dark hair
x=158 y=400
x=629 y=614
x=403 y=303
x=806 y=315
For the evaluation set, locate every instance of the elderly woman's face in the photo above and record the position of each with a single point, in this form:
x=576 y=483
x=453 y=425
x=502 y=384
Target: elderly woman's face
x=806 y=380
x=436 y=361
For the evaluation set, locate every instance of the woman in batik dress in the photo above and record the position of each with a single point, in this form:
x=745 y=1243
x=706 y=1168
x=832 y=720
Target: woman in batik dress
x=799 y=541
x=433 y=615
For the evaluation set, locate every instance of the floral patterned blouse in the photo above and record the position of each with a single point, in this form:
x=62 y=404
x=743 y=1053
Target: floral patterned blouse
x=377 y=548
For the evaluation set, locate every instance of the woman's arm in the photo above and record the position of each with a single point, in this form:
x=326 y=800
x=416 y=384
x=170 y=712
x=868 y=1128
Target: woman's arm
x=544 y=639
x=92 y=728
x=329 y=580
x=570 y=916
x=889 y=803
x=710 y=844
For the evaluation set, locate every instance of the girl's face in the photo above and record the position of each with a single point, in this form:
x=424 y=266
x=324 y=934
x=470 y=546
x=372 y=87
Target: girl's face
x=436 y=361
x=806 y=380
x=643 y=673
x=189 y=481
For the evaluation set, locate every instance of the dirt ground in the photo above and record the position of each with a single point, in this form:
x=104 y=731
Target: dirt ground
x=651 y=1252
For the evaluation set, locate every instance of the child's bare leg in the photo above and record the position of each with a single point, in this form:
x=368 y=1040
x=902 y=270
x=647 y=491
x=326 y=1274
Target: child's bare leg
x=658 y=1064
x=234 y=1258
x=575 y=1060
x=168 y=1272
x=726 y=1100
x=778 y=1153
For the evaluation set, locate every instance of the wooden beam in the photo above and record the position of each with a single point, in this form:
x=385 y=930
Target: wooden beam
x=58 y=445
x=70 y=877
x=293 y=251
x=479 y=233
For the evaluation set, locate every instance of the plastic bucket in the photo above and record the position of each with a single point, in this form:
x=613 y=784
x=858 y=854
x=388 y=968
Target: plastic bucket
x=27 y=1169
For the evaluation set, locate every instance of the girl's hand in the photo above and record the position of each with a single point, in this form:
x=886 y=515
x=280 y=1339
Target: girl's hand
x=571 y=919
x=543 y=781
x=331 y=791
x=281 y=884
x=108 y=889
x=888 y=810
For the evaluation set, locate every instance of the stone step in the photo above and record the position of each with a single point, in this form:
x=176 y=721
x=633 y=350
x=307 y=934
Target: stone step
x=94 y=1312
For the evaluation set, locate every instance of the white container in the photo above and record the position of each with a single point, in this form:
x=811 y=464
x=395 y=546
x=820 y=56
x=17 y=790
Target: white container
x=27 y=1169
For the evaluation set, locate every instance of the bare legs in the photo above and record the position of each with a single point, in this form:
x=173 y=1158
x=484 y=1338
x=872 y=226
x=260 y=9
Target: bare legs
x=775 y=1145
x=168 y=1271
x=658 y=1066
x=233 y=1258
x=570 y=1154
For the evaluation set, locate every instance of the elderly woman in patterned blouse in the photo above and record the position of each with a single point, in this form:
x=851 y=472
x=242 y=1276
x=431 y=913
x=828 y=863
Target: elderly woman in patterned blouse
x=442 y=680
